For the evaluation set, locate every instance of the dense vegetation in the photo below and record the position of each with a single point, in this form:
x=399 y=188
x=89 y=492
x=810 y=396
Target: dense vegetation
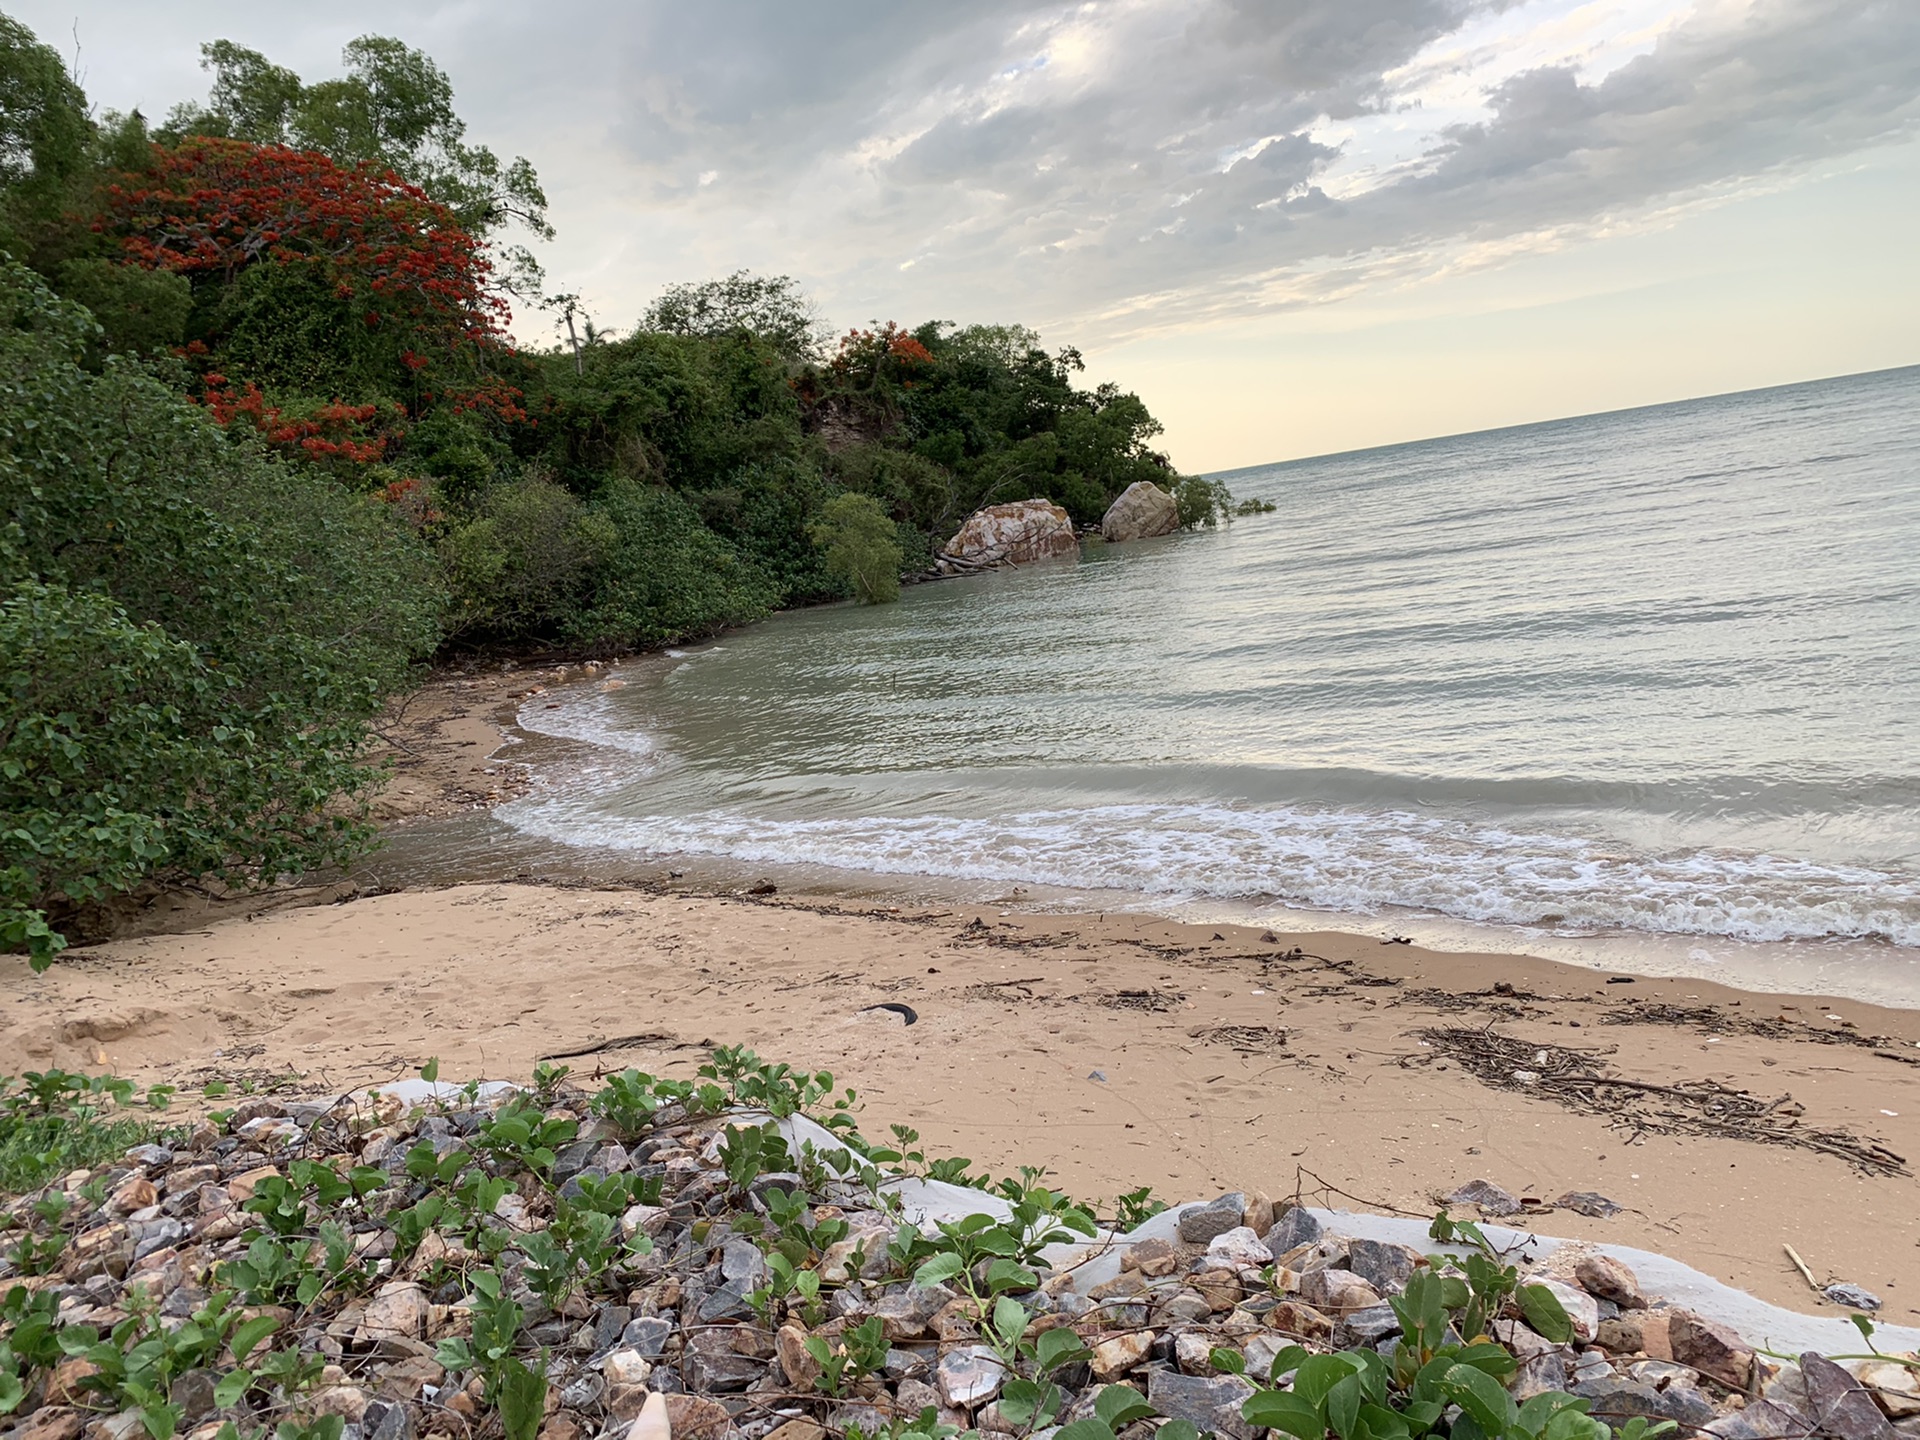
x=265 y=444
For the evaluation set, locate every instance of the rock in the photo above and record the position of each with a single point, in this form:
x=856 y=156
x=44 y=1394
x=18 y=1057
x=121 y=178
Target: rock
x=1193 y=1352
x=695 y=1417
x=1709 y=1347
x=398 y=1310
x=1337 y=1292
x=1211 y=1405
x=349 y=1402
x=104 y=1250
x=626 y=1367
x=648 y=1335
x=643 y=1220
x=1370 y=1326
x=1839 y=1405
x=1616 y=1400
x=1259 y=1214
x=1619 y=1337
x=797 y=1430
x=1489 y=1197
x=800 y=1368
x=625 y=1402
x=1143 y=511
x=193 y=1393
x=51 y=1422
x=66 y=1386
x=1016 y=533
x=384 y=1421
x=1762 y=1420
x=1292 y=1230
x=1543 y=1373
x=1117 y=1354
x=135 y=1194
x=405 y=1379
x=968 y=1378
x=1608 y=1278
x=1581 y=1307
x=1384 y=1266
x=1239 y=1247
x=712 y=1363
x=1588 y=1202
x=1201 y=1224
x=907 y=1313
x=1152 y=1258
x=1293 y=1318
x=240 y=1189
x=1895 y=1387
x=1852 y=1296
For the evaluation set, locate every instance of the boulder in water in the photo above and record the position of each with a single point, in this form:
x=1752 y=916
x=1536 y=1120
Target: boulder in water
x=1011 y=534
x=1142 y=511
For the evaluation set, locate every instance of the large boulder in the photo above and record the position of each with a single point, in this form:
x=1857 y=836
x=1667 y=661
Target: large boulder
x=1011 y=534
x=1142 y=511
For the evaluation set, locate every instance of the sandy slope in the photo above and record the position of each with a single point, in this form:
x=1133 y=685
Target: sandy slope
x=1029 y=1048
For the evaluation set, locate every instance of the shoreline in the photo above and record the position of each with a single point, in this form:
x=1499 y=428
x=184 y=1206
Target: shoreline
x=1116 y=1049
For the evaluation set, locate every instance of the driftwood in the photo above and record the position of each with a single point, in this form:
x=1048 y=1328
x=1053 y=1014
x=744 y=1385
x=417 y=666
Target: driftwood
x=1576 y=1080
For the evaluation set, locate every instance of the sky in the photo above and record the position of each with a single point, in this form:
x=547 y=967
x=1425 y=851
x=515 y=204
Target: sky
x=1293 y=226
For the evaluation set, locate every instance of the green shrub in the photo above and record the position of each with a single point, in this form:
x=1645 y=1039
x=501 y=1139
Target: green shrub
x=527 y=563
x=664 y=575
x=195 y=636
x=861 y=547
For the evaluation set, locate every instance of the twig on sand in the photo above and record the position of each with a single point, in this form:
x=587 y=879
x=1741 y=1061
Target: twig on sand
x=1801 y=1266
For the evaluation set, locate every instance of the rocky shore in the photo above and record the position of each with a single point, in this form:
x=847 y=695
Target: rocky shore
x=425 y=1259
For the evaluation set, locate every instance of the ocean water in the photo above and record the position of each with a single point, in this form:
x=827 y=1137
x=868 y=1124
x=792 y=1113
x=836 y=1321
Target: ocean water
x=1649 y=673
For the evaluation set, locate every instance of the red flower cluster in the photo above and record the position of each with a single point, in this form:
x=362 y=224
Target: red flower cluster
x=213 y=207
x=864 y=355
x=331 y=432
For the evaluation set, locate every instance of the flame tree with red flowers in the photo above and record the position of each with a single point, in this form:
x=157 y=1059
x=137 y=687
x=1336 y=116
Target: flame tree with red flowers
x=333 y=306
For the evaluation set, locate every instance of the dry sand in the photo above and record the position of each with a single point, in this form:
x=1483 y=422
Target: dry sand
x=1089 y=1045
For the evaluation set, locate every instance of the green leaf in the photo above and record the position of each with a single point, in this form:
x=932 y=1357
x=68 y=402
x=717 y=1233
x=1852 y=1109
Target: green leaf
x=1059 y=1347
x=249 y=1334
x=1178 y=1430
x=1085 y=1430
x=430 y=1071
x=1118 y=1406
x=943 y=1266
x=523 y=1400
x=1481 y=1396
x=232 y=1386
x=1282 y=1410
x=1009 y=1319
x=1545 y=1313
x=1343 y=1407
x=1318 y=1374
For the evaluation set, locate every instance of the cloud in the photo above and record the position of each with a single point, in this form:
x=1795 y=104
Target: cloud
x=1110 y=168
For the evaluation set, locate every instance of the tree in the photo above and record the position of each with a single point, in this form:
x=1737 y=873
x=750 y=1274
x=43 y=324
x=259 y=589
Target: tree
x=318 y=279
x=194 y=637
x=392 y=110
x=44 y=131
x=862 y=549
x=773 y=309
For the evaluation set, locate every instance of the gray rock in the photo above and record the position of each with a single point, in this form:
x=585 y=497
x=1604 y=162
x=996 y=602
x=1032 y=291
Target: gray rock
x=1382 y=1265
x=1539 y=1374
x=1370 y=1326
x=570 y=1160
x=1491 y=1199
x=1292 y=1230
x=1837 y=1402
x=395 y=1424
x=1762 y=1420
x=968 y=1377
x=648 y=1335
x=1589 y=1203
x=193 y=1393
x=583 y=1392
x=1211 y=1405
x=1199 y=1224
x=1852 y=1296
x=608 y=1325
x=714 y=1366
x=729 y=1302
x=742 y=1263
x=908 y=1364
x=151 y=1156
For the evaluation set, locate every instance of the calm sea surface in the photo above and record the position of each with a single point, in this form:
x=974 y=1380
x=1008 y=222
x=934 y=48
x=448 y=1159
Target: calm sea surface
x=1655 y=671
